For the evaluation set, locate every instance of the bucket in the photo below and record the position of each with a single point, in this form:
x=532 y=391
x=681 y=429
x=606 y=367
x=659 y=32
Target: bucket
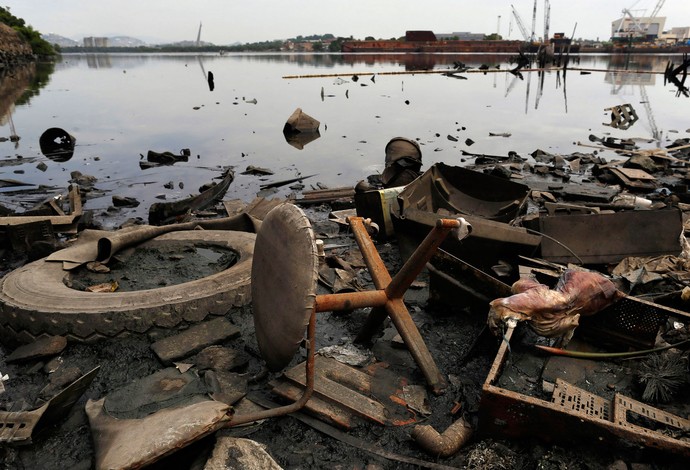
x=401 y=147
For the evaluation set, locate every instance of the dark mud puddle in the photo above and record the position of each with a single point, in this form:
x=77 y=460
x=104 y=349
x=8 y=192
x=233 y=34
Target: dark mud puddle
x=156 y=264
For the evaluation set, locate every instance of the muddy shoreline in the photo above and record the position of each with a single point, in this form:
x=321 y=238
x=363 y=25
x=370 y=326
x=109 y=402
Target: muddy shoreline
x=454 y=336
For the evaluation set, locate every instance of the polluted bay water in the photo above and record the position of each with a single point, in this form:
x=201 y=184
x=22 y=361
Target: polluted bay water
x=118 y=107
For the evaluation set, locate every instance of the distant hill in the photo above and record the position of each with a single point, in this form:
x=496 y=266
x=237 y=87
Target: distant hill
x=125 y=41
x=113 y=41
x=59 y=40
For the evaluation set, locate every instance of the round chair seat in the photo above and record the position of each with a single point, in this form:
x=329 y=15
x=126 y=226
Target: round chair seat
x=284 y=279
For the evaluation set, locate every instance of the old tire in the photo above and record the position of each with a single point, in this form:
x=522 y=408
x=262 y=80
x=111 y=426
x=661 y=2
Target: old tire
x=35 y=302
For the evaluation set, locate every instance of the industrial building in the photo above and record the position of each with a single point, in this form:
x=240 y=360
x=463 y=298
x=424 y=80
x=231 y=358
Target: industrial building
x=95 y=42
x=645 y=29
x=648 y=29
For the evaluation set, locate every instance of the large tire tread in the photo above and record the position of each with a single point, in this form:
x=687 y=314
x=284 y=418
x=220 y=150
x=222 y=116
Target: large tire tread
x=29 y=311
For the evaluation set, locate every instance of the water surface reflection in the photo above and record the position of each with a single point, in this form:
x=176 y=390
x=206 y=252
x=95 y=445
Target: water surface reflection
x=120 y=106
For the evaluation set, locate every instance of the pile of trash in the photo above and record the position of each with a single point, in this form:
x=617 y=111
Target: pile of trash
x=445 y=318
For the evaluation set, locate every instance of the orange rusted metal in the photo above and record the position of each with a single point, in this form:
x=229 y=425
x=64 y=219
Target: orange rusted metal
x=236 y=420
x=381 y=300
x=378 y=271
x=394 y=289
x=414 y=265
x=350 y=300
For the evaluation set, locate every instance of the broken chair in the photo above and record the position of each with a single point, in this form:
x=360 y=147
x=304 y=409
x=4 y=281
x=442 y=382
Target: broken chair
x=286 y=261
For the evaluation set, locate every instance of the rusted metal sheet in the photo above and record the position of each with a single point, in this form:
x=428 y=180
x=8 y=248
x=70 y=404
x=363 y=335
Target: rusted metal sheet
x=571 y=415
x=457 y=190
x=608 y=238
x=573 y=191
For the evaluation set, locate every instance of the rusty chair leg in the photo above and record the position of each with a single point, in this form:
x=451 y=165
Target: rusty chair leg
x=306 y=395
x=395 y=288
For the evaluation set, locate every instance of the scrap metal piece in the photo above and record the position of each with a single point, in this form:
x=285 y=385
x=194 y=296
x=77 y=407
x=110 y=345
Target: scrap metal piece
x=487 y=202
x=20 y=427
x=456 y=282
x=403 y=162
x=608 y=238
x=443 y=444
x=622 y=116
x=634 y=178
x=462 y=191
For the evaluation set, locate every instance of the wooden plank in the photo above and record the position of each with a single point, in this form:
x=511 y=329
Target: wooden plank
x=636 y=174
x=342 y=392
x=58 y=221
x=348 y=397
x=631 y=182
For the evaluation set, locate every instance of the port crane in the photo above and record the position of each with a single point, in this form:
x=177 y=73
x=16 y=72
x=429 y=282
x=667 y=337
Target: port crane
x=658 y=6
x=519 y=23
x=636 y=27
x=534 y=21
x=547 y=19
x=521 y=26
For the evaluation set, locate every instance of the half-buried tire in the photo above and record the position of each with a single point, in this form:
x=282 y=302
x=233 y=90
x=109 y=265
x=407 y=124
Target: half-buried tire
x=35 y=301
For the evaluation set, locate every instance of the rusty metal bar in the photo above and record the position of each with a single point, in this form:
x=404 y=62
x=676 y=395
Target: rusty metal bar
x=395 y=307
x=416 y=262
x=350 y=300
x=379 y=275
x=415 y=343
x=308 y=391
x=378 y=271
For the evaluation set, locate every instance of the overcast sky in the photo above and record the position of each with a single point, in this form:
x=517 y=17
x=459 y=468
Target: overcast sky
x=227 y=21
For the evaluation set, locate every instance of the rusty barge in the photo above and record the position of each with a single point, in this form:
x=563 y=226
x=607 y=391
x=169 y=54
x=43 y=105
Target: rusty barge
x=427 y=42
